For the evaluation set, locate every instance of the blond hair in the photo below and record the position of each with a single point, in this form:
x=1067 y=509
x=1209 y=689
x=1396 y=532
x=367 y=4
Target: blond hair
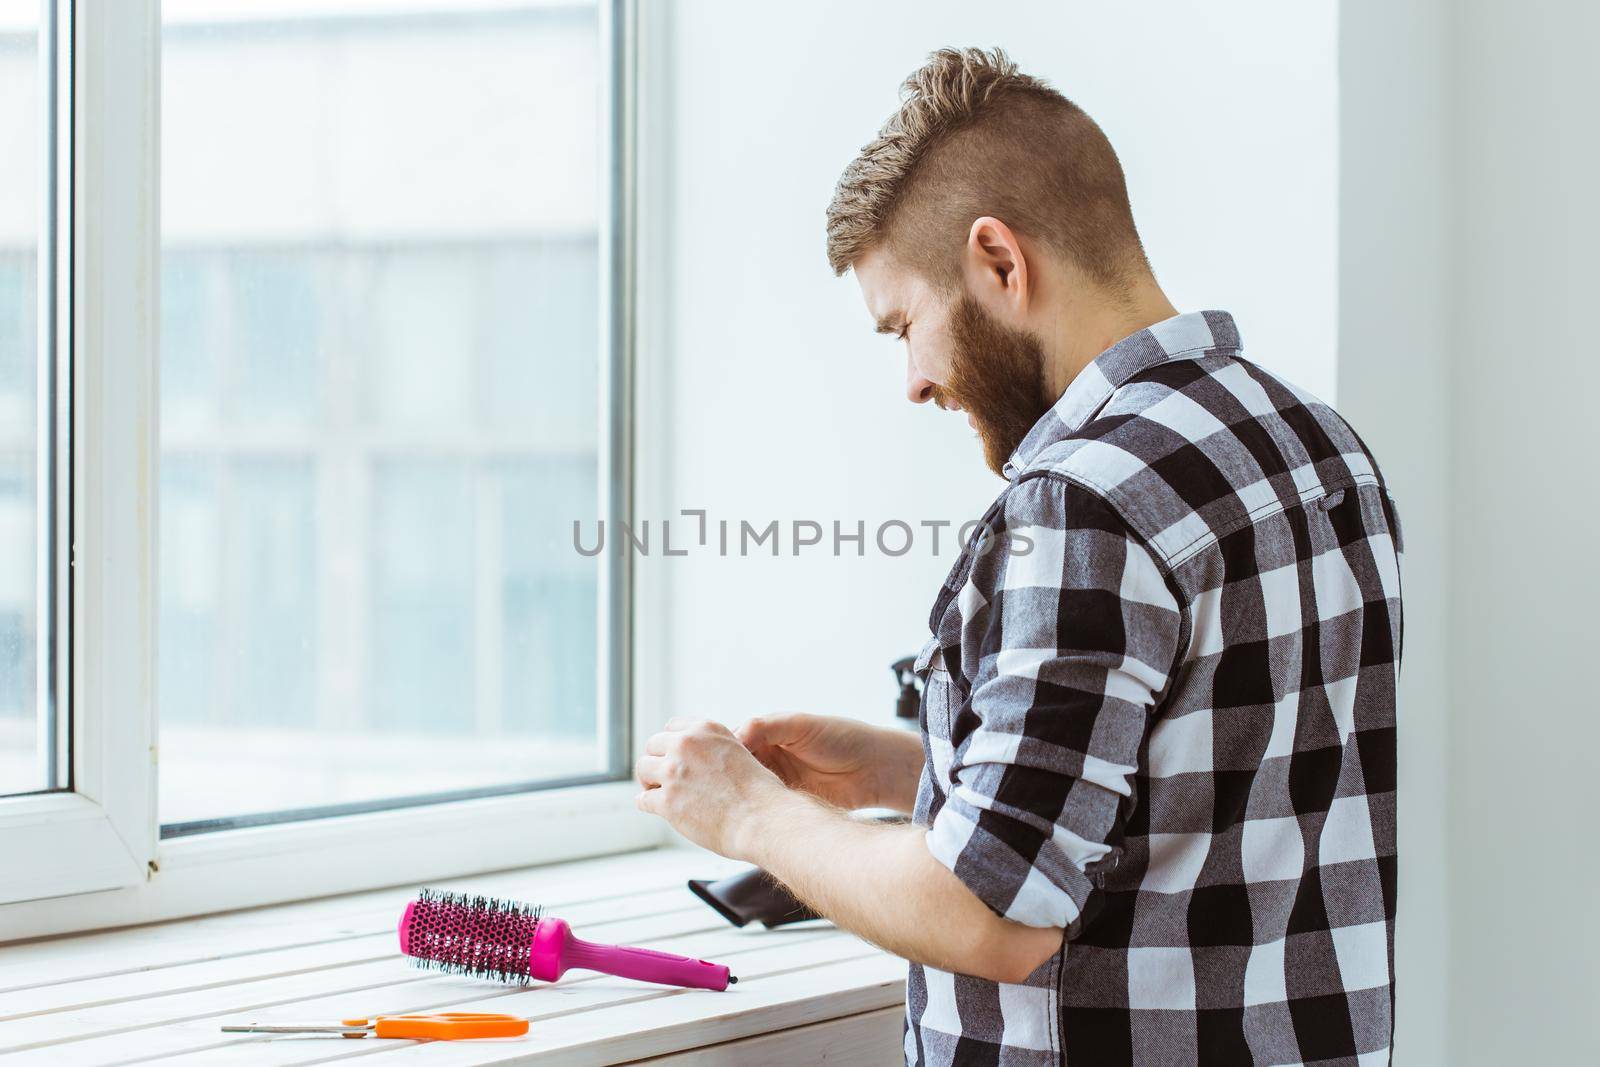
x=974 y=136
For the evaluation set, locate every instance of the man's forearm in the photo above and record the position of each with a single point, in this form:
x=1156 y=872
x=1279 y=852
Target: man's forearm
x=880 y=882
x=901 y=768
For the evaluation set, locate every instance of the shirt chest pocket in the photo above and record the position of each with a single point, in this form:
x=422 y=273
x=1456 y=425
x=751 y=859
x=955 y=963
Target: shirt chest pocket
x=935 y=711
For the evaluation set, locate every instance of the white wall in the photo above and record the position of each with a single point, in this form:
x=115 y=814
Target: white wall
x=1468 y=357
x=1525 y=720
x=783 y=403
x=1394 y=318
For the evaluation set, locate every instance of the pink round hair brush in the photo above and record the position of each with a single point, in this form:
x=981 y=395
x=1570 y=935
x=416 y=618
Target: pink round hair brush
x=512 y=942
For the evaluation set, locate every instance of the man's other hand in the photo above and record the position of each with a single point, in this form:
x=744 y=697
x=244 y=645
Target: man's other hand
x=842 y=761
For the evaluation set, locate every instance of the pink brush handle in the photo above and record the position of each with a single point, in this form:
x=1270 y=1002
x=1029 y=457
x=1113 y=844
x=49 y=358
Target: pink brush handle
x=555 y=949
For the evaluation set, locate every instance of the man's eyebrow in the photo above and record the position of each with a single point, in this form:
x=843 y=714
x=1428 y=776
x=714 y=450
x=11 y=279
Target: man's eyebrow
x=892 y=323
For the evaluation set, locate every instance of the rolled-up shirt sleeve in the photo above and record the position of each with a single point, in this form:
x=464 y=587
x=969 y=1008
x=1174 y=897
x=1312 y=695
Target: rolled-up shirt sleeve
x=1075 y=636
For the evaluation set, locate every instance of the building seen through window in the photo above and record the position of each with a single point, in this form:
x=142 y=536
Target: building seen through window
x=380 y=393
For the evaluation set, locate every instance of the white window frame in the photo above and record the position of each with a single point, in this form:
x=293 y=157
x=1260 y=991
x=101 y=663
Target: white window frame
x=93 y=857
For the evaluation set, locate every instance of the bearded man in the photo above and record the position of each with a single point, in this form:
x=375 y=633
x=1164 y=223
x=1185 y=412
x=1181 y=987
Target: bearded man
x=1153 y=798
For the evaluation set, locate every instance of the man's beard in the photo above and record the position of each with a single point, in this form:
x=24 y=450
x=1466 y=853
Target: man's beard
x=997 y=375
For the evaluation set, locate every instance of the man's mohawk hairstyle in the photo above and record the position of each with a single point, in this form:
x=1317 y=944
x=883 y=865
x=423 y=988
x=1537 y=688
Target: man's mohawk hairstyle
x=936 y=100
x=974 y=136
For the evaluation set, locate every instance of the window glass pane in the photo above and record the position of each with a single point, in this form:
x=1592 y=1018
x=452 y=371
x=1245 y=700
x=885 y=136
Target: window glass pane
x=422 y=592
x=22 y=768
x=380 y=401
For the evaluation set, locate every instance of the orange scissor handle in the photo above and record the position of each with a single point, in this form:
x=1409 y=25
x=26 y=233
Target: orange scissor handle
x=446 y=1025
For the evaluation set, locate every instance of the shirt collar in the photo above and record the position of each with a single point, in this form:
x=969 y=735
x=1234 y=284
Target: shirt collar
x=1180 y=337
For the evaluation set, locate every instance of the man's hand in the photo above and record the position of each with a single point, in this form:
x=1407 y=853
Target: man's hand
x=699 y=777
x=702 y=780
x=843 y=761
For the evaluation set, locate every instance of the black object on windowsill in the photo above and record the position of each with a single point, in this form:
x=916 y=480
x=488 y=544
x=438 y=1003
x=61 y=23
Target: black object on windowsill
x=754 y=895
x=751 y=896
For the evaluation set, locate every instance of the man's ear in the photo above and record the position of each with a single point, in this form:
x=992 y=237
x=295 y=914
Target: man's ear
x=996 y=269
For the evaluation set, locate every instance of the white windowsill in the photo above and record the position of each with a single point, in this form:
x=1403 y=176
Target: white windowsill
x=253 y=866
x=161 y=992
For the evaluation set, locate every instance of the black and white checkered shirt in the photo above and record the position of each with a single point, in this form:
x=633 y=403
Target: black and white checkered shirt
x=1168 y=726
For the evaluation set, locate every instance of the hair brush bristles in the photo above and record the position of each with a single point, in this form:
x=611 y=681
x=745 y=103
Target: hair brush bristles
x=473 y=935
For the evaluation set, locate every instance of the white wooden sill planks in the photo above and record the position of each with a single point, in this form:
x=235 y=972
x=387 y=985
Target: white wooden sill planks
x=160 y=993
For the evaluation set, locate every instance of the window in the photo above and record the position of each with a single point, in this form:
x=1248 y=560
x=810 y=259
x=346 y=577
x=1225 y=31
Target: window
x=319 y=496
x=381 y=405
x=24 y=704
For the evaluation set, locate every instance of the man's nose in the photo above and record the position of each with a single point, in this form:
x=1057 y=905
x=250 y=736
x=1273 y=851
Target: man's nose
x=919 y=390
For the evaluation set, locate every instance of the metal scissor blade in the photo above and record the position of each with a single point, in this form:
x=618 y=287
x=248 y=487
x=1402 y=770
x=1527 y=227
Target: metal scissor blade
x=258 y=1028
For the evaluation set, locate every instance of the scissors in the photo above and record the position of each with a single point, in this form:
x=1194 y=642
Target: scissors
x=435 y=1026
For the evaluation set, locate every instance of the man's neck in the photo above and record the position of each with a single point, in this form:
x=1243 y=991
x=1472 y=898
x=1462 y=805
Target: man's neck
x=1089 y=328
